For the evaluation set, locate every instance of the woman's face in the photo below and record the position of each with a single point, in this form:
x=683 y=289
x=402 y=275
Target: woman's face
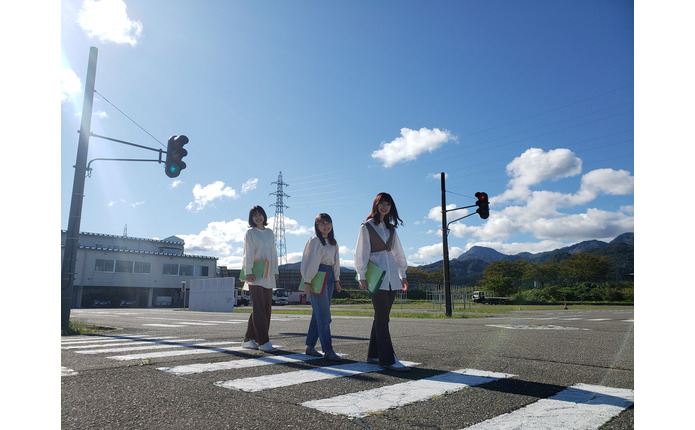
x=258 y=220
x=384 y=208
x=325 y=227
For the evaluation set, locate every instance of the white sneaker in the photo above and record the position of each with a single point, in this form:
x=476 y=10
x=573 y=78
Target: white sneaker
x=267 y=347
x=249 y=344
x=398 y=366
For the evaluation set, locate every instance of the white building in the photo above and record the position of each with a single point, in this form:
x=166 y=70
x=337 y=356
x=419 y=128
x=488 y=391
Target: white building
x=115 y=271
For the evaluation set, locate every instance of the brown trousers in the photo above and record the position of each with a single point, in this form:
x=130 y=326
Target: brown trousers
x=380 y=340
x=259 y=320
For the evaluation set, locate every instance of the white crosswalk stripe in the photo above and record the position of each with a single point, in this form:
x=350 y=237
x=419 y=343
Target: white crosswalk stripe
x=362 y=403
x=261 y=383
x=190 y=369
x=580 y=406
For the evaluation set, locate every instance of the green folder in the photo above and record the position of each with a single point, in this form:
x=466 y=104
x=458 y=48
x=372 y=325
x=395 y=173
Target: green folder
x=260 y=270
x=318 y=283
x=374 y=277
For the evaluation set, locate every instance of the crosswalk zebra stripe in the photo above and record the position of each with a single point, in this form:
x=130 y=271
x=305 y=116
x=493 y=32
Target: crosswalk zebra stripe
x=106 y=339
x=136 y=346
x=580 y=406
x=189 y=369
x=187 y=351
x=361 y=403
x=118 y=342
x=260 y=383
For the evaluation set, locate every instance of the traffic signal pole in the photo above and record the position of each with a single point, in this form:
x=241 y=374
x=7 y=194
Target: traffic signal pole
x=67 y=274
x=483 y=211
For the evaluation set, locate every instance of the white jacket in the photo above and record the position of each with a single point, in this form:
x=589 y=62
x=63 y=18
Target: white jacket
x=393 y=262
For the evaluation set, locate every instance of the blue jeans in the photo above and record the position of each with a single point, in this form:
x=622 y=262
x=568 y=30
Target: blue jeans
x=320 y=325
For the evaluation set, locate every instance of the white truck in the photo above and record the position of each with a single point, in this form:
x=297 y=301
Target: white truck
x=490 y=299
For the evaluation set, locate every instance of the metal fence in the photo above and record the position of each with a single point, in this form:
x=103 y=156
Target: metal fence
x=460 y=295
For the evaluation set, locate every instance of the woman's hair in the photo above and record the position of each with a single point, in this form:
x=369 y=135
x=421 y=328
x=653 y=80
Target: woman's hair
x=392 y=219
x=331 y=237
x=254 y=210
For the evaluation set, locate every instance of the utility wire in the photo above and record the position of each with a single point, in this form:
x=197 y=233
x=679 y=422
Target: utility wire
x=133 y=121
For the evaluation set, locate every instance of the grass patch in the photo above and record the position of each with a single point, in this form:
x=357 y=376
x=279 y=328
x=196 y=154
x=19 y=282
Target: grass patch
x=79 y=327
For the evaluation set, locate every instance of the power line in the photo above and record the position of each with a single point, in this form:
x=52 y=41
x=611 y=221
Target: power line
x=131 y=120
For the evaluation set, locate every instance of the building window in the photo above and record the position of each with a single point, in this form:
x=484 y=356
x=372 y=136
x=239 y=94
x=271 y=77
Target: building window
x=186 y=270
x=103 y=265
x=124 y=266
x=170 y=269
x=142 y=267
x=201 y=270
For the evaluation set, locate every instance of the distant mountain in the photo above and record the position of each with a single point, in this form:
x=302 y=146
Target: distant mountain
x=488 y=255
x=470 y=264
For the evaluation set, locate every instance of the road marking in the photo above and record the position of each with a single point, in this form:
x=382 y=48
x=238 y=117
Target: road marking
x=187 y=351
x=534 y=327
x=151 y=345
x=260 y=383
x=362 y=403
x=189 y=369
x=116 y=342
x=64 y=371
x=580 y=406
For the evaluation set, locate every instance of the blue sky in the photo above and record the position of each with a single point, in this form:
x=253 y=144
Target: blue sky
x=529 y=101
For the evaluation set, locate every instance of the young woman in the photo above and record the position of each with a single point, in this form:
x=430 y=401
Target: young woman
x=378 y=242
x=321 y=255
x=259 y=245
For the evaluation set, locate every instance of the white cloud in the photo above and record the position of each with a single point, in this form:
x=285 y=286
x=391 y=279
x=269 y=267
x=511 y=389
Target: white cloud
x=605 y=181
x=535 y=166
x=108 y=21
x=70 y=86
x=249 y=185
x=175 y=183
x=411 y=144
x=208 y=193
x=434 y=253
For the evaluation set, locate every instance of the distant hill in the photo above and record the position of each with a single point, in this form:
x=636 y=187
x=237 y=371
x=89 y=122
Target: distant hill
x=468 y=267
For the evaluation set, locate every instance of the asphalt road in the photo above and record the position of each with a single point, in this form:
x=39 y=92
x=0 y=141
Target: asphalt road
x=504 y=368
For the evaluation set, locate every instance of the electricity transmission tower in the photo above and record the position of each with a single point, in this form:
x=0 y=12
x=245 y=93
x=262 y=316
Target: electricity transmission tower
x=279 y=224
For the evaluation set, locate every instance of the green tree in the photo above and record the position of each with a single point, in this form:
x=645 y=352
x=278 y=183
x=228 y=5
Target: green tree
x=504 y=277
x=585 y=267
x=543 y=274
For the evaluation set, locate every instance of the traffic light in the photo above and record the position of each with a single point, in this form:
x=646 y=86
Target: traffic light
x=174 y=162
x=483 y=205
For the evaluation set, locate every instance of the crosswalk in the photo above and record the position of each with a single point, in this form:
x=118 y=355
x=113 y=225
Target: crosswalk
x=581 y=406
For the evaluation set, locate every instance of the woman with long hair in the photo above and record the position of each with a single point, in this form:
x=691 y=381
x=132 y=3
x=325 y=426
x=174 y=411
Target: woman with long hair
x=379 y=244
x=321 y=255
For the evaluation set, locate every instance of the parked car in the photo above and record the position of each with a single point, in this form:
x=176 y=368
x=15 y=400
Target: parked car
x=101 y=303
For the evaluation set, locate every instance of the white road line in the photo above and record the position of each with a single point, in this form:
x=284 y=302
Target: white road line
x=189 y=369
x=164 y=325
x=534 y=327
x=117 y=342
x=64 y=371
x=187 y=351
x=260 y=383
x=393 y=396
x=150 y=345
x=580 y=406
x=114 y=338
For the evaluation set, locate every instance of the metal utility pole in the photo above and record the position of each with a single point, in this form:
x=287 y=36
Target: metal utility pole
x=445 y=252
x=279 y=224
x=67 y=274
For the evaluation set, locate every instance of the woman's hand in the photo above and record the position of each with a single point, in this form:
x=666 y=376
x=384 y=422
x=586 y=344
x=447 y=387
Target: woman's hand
x=405 y=284
x=363 y=285
x=307 y=289
x=250 y=279
x=337 y=287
